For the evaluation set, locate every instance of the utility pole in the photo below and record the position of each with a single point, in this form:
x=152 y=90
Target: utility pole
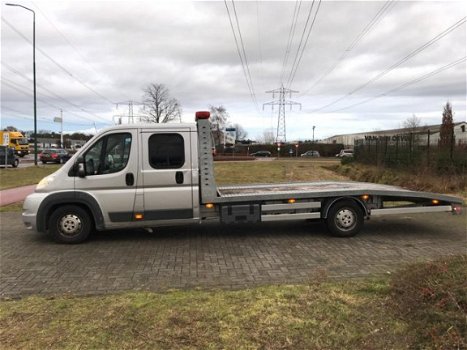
x=61 y=129
x=60 y=120
x=281 y=102
x=34 y=73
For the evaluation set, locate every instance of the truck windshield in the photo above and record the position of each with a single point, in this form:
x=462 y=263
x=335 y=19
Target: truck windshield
x=20 y=141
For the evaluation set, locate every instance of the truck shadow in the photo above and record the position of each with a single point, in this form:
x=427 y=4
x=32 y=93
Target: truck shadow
x=241 y=231
x=401 y=228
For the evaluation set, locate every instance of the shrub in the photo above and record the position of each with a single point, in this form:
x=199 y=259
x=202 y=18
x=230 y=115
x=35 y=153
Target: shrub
x=432 y=298
x=347 y=160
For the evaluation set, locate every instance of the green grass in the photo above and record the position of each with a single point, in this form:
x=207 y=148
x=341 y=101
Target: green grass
x=430 y=182
x=421 y=306
x=17 y=207
x=10 y=178
x=273 y=171
x=318 y=315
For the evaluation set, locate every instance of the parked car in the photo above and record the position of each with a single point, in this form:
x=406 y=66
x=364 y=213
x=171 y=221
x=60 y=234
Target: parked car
x=310 y=154
x=261 y=154
x=345 y=153
x=56 y=155
x=11 y=158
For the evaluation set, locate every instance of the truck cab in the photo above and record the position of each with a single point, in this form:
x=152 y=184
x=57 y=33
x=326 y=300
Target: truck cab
x=127 y=176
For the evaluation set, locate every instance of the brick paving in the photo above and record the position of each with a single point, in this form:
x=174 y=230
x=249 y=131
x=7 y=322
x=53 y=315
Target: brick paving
x=216 y=256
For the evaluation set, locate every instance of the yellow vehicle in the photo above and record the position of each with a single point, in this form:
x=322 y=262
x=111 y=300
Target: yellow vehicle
x=17 y=141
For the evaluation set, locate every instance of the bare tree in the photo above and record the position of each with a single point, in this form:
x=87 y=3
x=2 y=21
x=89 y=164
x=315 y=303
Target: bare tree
x=219 y=118
x=412 y=123
x=240 y=132
x=268 y=136
x=159 y=106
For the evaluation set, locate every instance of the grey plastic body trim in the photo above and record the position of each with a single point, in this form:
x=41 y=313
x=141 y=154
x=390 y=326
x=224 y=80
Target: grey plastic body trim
x=414 y=210
x=68 y=197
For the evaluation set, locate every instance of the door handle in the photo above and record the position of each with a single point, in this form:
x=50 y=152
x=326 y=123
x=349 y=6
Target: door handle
x=129 y=179
x=179 y=177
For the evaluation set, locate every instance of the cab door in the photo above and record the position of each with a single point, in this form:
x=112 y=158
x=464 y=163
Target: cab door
x=167 y=175
x=111 y=165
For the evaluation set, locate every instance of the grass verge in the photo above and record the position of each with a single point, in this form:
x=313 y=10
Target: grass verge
x=453 y=184
x=10 y=178
x=394 y=312
x=273 y=171
x=327 y=315
x=16 y=207
x=432 y=298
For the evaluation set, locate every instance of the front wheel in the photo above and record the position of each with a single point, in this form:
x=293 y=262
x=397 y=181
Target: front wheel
x=345 y=219
x=70 y=224
x=15 y=163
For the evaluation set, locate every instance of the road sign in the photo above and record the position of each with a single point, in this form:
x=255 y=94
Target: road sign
x=6 y=138
x=230 y=129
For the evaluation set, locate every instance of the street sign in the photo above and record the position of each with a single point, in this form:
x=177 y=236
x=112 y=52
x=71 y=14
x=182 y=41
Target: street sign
x=230 y=129
x=6 y=138
x=57 y=120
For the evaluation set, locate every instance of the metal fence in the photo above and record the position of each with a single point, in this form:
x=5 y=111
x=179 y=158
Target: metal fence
x=412 y=150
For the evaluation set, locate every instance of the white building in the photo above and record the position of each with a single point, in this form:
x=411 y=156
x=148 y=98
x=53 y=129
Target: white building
x=460 y=133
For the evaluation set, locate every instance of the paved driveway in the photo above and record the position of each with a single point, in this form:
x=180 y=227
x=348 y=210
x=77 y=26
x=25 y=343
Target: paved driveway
x=216 y=256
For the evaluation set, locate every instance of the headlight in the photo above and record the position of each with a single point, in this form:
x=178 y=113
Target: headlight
x=45 y=182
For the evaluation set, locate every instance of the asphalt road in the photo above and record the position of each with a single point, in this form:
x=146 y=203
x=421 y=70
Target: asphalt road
x=217 y=256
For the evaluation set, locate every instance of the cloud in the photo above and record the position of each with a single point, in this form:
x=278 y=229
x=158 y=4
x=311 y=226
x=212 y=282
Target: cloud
x=120 y=47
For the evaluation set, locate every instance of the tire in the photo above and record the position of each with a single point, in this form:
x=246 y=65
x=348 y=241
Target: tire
x=61 y=161
x=15 y=163
x=70 y=224
x=43 y=162
x=345 y=219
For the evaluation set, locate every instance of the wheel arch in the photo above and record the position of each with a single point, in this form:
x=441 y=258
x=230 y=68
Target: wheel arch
x=81 y=199
x=331 y=201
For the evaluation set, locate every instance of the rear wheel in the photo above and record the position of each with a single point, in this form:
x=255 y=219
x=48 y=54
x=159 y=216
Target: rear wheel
x=345 y=219
x=15 y=163
x=70 y=224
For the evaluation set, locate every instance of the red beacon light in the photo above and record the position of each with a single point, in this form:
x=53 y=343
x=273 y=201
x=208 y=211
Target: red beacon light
x=202 y=115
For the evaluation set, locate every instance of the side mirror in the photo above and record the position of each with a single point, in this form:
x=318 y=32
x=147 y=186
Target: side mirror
x=81 y=168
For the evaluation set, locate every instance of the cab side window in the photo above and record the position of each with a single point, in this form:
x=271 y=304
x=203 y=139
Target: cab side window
x=108 y=155
x=166 y=151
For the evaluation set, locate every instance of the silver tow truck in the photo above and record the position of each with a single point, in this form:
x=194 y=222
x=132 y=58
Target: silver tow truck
x=145 y=176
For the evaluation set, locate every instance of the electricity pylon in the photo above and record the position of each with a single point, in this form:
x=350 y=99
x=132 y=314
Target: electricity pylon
x=281 y=102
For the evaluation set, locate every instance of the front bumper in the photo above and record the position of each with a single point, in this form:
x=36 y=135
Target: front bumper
x=30 y=208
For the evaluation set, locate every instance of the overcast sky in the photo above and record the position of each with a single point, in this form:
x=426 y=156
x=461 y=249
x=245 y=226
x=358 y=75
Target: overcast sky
x=98 y=53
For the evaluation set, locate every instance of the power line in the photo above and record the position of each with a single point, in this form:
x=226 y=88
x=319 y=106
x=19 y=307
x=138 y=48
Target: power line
x=376 y=19
x=24 y=90
x=22 y=116
x=398 y=63
x=56 y=63
x=259 y=39
x=51 y=92
x=243 y=59
x=293 y=25
x=404 y=85
x=66 y=39
x=244 y=53
x=293 y=72
x=369 y=26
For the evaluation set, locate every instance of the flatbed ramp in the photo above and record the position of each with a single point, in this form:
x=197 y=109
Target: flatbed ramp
x=321 y=189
